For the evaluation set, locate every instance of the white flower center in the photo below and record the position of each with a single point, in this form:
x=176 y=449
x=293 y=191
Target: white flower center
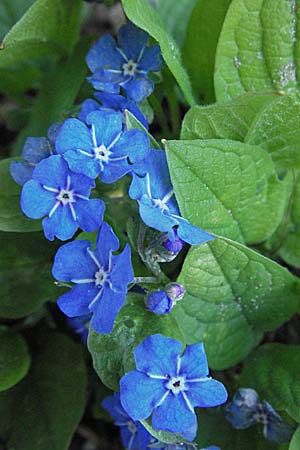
x=65 y=197
x=132 y=427
x=160 y=204
x=100 y=277
x=129 y=68
x=102 y=153
x=176 y=385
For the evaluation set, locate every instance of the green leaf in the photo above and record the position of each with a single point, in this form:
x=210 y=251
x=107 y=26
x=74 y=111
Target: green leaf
x=14 y=359
x=257 y=49
x=48 y=26
x=45 y=408
x=200 y=45
x=113 y=353
x=233 y=295
x=145 y=17
x=273 y=371
x=228 y=120
x=58 y=92
x=132 y=123
x=11 y=215
x=163 y=436
x=25 y=273
x=10 y=13
x=175 y=16
x=295 y=442
x=225 y=187
x=276 y=129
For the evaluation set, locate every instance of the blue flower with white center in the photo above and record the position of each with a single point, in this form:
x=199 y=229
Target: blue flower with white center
x=246 y=409
x=101 y=147
x=100 y=278
x=169 y=385
x=63 y=197
x=80 y=325
x=151 y=187
x=35 y=150
x=133 y=435
x=126 y=65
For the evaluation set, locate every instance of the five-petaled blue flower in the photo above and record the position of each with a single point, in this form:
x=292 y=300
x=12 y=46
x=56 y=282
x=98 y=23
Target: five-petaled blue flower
x=100 y=278
x=126 y=65
x=63 y=197
x=110 y=103
x=246 y=409
x=35 y=150
x=151 y=187
x=133 y=434
x=101 y=146
x=169 y=385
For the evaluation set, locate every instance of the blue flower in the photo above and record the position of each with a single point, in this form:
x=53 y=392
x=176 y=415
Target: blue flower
x=101 y=146
x=169 y=386
x=100 y=278
x=133 y=435
x=151 y=187
x=80 y=325
x=246 y=409
x=35 y=150
x=126 y=65
x=63 y=197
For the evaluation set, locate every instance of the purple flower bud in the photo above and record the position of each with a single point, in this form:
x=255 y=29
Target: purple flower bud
x=175 y=246
x=175 y=291
x=158 y=302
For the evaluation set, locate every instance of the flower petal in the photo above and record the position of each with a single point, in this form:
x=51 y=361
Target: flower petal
x=52 y=172
x=155 y=218
x=138 y=88
x=132 y=40
x=175 y=416
x=134 y=144
x=72 y=261
x=82 y=164
x=89 y=213
x=115 y=170
x=87 y=107
x=35 y=149
x=61 y=224
x=140 y=394
x=97 y=82
x=206 y=394
x=191 y=234
x=106 y=310
x=158 y=355
x=107 y=125
x=74 y=135
x=104 y=54
x=21 y=171
x=194 y=362
x=152 y=59
x=122 y=272
x=107 y=242
x=76 y=301
x=113 y=405
x=36 y=202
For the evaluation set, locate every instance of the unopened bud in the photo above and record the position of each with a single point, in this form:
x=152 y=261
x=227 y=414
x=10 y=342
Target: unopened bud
x=175 y=291
x=159 y=302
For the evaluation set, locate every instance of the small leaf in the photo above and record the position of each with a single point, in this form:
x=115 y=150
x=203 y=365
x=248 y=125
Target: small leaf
x=257 y=49
x=199 y=51
x=25 y=273
x=145 y=17
x=225 y=187
x=233 y=295
x=14 y=359
x=113 y=353
x=163 y=436
x=273 y=370
x=228 y=120
x=44 y=409
x=10 y=13
x=133 y=123
x=295 y=442
x=11 y=216
x=276 y=129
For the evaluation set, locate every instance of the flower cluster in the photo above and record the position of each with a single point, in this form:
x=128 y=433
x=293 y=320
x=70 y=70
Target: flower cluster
x=247 y=409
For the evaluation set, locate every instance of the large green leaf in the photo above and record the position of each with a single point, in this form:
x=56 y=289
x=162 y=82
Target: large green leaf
x=233 y=294
x=113 y=353
x=25 y=273
x=200 y=46
x=11 y=216
x=14 y=358
x=10 y=13
x=57 y=94
x=273 y=371
x=277 y=130
x=226 y=187
x=227 y=120
x=295 y=442
x=258 y=50
x=175 y=16
x=145 y=17
x=43 y=410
